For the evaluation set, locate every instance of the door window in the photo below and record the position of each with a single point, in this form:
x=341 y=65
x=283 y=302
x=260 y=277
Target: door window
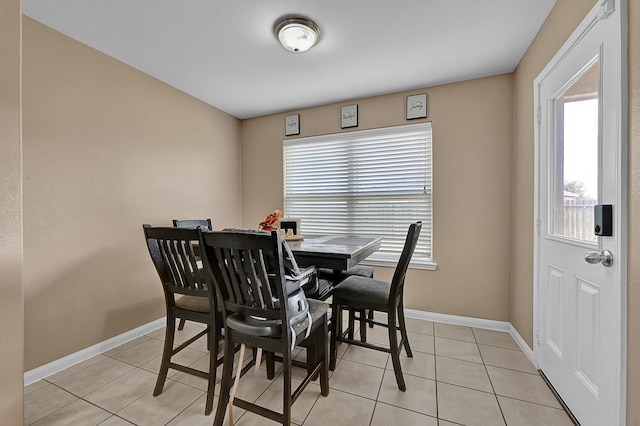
x=575 y=180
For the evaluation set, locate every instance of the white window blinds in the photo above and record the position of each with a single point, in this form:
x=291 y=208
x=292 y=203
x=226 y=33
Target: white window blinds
x=370 y=182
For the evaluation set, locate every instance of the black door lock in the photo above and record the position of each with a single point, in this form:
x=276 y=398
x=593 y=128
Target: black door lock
x=603 y=220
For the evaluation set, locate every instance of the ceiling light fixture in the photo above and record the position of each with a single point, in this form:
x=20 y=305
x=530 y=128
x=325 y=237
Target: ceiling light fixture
x=297 y=34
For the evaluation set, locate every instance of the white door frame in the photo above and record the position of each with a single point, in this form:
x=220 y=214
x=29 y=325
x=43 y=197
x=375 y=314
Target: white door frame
x=601 y=9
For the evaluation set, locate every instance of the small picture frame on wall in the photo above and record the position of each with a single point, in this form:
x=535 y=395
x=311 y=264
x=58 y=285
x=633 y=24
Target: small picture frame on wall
x=349 y=116
x=417 y=106
x=292 y=125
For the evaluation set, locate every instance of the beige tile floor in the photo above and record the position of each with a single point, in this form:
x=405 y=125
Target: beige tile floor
x=457 y=376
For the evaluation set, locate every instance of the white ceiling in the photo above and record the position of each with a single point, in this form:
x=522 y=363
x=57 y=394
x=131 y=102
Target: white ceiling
x=224 y=52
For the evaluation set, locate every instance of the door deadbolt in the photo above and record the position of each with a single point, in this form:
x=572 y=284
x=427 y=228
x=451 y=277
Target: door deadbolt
x=594 y=257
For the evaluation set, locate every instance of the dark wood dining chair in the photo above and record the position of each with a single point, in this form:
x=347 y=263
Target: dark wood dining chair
x=260 y=311
x=367 y=293
x=189 y=294
x=204 y=224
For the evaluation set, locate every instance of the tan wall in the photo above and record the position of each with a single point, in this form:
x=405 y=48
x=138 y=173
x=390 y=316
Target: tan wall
x=11 y=303
x=106 y=149
x=472 y=185
x=562 y=21
x=633 y=220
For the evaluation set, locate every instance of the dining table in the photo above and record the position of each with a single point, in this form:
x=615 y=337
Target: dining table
x=336 y=252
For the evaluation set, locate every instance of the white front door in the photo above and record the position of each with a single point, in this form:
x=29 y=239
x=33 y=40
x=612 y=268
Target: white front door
x=580 y=162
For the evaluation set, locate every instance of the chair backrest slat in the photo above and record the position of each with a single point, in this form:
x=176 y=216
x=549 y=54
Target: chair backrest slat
x=247 y=279
x=229 y=274
x=181 y=264
x=251 y=283
x=172 y=262
x=267 y=296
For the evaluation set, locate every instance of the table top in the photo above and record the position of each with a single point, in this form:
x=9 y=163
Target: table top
x=338 y=252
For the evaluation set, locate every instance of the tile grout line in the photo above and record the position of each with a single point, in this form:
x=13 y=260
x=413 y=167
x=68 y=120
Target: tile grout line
x=489 y=376
x=115 y=415
x=311 y=409
x=375 y=404
x=435 y=370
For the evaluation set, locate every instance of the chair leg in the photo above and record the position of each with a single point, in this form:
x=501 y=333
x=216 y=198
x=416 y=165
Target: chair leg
x=313 y=356
x=166 y=354
x=181 y=325
x=336 y=331
x=271 y=365
x=286 y=397
x=225 y=385
x=395 y=352
x=323 y=349
x=352 y=323
x=370 y=318
x=213 y=357
x=318 y=352
x=403 y=331
x=363 y=325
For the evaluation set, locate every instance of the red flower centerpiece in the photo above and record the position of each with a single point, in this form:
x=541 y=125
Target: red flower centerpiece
x=270 y=222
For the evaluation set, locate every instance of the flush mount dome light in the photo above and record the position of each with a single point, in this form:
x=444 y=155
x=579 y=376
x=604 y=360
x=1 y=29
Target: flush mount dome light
x=297 y=34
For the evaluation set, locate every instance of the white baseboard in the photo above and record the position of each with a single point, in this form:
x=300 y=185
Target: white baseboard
x=523 y=346
x=457 y=320
x=75 y=358
x=477 y=323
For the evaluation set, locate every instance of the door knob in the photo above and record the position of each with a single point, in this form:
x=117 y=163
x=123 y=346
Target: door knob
x=594 y=257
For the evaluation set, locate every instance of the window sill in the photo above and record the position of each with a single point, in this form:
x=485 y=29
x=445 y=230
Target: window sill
x=423 y=264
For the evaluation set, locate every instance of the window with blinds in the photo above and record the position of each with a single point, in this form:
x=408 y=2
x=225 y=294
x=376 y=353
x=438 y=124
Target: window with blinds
x=370 y=182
